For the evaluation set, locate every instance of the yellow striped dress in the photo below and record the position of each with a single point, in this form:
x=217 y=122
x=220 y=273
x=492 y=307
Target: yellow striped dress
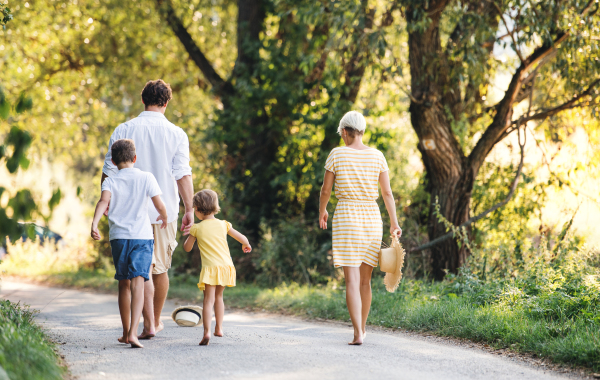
x=357 y=224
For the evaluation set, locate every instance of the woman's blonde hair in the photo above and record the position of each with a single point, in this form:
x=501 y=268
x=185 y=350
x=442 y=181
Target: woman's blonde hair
x=354 y=123
x=206 y=202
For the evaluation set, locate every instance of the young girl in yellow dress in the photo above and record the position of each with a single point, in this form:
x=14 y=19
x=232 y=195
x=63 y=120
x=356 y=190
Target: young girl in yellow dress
x=217 y=267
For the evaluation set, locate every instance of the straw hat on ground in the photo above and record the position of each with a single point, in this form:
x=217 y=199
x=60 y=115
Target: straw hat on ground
x=187 y=316
x=391 y=261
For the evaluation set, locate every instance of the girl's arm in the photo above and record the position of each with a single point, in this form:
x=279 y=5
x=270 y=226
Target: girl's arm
x=100 y=208
x=324 y=199
x=241 y=238
x=189 y=243
x=390 y=204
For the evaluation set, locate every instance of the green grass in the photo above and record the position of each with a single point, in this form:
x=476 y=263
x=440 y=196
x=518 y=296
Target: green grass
x=25 y=352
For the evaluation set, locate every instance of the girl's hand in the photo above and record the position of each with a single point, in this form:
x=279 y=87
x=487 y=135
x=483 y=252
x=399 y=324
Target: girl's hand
x=246 y=248
x=395 y=230
x=323 y=220
x=95 y=233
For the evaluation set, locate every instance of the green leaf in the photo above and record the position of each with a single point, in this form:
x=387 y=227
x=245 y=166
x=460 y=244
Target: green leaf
x=4 y=108
x=24 y=103
x=55 y=199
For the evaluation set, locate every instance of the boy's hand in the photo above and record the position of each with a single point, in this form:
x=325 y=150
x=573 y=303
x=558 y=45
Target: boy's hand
x=164 y=221
x=246 y=248
x=95 y=233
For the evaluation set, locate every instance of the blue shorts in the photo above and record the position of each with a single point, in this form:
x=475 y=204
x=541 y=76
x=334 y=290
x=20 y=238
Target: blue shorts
x=132 y=258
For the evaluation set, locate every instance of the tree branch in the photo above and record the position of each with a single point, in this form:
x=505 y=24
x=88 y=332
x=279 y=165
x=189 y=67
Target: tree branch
x=220 y=86
x=513 y=188
x=573 y=103
x=511 y=33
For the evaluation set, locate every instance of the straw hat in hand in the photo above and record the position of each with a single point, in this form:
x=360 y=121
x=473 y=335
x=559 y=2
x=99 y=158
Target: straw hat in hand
x=391 y=261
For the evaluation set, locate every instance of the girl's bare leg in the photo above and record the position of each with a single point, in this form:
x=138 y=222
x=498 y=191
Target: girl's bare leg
x=365 y=295
x=137 y=304
x=207 y=310
x=125 y=308
x=219 y=310
x=353 y=301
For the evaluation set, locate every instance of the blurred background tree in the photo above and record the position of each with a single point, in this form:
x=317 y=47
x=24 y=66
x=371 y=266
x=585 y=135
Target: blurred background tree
x=259 y=86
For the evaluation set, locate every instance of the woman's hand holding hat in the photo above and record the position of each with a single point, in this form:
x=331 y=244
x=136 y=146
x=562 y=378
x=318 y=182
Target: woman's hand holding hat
x=396 y=231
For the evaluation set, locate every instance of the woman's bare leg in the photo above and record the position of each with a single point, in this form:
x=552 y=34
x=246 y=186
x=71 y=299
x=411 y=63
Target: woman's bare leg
x=219 y=310
x=352 y=276
x=207 y=311
x=365 y=295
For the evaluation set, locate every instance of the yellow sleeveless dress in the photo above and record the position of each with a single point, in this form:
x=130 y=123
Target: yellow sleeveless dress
x=217 y=266
x=357 y=224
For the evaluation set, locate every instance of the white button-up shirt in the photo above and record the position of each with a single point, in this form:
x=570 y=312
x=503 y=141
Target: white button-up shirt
x=162 y=149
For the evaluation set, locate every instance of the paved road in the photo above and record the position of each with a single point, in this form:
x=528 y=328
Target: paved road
x=255 y=347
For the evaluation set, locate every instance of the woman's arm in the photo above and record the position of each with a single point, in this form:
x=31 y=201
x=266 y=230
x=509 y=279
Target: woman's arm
x=241 y=238
x=324 y=199
x=189 y=243
x=390 y=204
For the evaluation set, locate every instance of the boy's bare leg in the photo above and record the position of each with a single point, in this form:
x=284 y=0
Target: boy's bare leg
x=137 y=304
x=207 y=309
x=219 y=310
x=125 y=308
x=161 y=288
x=149 y=330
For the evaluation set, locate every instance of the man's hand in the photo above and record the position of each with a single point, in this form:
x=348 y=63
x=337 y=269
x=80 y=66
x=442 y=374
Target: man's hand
x=162 y=218
x=246 y=248
x=187 y=222
x=95 y=233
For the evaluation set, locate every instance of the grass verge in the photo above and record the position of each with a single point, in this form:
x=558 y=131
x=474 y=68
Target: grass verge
x=25 y=352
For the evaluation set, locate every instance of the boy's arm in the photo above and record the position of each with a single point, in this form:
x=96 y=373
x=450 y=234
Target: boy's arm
x=100 y=208
x=241 y=238
x=189 y=243
x=162 y=210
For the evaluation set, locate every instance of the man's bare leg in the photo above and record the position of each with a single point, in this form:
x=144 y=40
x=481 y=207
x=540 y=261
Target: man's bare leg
x=161 y=289
x=125 y=308
x=148 y=312
x=137 y=304
x=219 y=310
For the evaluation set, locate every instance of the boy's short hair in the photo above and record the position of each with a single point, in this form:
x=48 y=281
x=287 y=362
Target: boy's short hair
x=156 y=93
x=123 y=150
x=206 y=202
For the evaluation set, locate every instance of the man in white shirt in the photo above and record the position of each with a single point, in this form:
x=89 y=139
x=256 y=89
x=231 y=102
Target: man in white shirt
x=163 y=150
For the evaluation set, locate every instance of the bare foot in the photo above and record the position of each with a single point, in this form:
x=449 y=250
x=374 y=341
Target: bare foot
x=205 y=339
x=364 y=334
x=146 y=335
x=218 y=333
x=358 y=340
x=160 y=327
x=134 y=342
x=123 y=339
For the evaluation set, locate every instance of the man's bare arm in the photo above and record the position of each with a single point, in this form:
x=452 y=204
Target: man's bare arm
x=186 y=190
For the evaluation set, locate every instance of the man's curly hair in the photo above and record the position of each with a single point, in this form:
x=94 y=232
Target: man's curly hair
x=156 y=93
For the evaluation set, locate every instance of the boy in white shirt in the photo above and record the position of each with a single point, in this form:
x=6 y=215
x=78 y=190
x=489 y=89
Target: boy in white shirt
x=131 y=236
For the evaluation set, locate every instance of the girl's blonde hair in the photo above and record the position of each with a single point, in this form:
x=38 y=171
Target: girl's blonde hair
x=206 y=202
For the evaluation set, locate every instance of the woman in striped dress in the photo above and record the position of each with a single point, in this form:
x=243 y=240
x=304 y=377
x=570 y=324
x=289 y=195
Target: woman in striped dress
x=357 y=226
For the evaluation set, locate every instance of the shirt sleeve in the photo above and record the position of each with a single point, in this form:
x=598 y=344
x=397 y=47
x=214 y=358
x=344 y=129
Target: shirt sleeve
x=383 y=164
x=330 y=163
x=109 y=168
x=106 y=185
x=194 y=231
x=180 y=166
x=228 y=225
x=152 y=188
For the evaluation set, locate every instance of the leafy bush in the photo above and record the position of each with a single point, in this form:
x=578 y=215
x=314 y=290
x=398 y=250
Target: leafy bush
x=25 y=353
